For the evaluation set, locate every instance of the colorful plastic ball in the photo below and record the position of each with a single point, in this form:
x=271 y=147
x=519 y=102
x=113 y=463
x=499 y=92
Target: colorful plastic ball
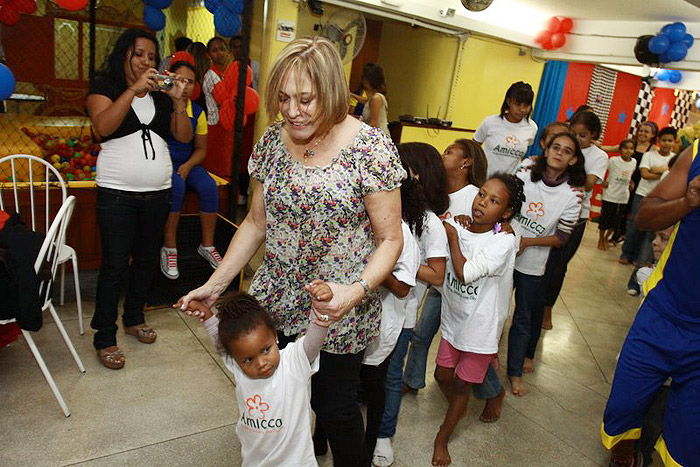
x=70 y=177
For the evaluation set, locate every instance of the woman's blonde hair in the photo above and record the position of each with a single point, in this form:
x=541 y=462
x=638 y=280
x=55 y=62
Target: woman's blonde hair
x=318 y=59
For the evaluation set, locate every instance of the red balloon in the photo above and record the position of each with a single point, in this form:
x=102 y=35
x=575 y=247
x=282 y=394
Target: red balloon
x=8 y=15
x=566 y=25
x=252 y=101
x=552 y=24
x=558 y=40
x=548 y=46
x=196 y=92
x=26 y=7
x=72 y=5
x=543 y=37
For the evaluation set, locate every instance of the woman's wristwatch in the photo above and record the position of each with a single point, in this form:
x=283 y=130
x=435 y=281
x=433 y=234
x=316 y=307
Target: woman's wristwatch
x=364 y=285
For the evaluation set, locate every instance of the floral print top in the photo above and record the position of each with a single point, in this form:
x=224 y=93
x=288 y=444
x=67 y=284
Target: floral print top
x=317 y=228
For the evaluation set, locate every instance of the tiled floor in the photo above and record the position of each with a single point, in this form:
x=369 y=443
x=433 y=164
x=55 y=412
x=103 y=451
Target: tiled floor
x=174 y=404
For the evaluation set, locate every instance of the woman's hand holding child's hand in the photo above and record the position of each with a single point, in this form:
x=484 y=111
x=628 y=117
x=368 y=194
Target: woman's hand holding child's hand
x=320 y=292
x=197 y=309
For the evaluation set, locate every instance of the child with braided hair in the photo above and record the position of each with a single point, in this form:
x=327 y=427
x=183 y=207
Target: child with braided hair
x=545 y=221
x=273 y=387
x=475 y=298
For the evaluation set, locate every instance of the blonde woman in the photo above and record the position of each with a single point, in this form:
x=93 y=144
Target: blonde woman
x=327 y=204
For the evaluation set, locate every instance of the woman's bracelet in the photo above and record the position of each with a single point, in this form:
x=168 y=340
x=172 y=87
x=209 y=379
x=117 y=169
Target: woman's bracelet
x=364 y=285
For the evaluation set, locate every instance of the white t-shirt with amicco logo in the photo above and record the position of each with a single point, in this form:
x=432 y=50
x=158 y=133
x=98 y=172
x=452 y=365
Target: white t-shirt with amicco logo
x=505 y=143
x=473 y=313
x=619 y=177
x=539 y=217
x=274 y=424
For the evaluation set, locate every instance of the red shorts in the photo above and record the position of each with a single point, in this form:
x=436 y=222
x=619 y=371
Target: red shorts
x=470 y=367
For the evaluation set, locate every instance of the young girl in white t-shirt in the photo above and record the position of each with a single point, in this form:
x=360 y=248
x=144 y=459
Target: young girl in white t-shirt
x=273 y=387
x=506 y=136
x=395 y=293
x=546 y=220
x=616 y=193
x=475 y=299
x=422 y=162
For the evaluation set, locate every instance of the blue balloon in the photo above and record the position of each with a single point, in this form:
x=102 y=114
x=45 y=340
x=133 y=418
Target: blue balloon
x=659 y=44
x=688 y=40
x=233 y=7
x=667 y=29
x=662 y=75
x=7 y=82
x=160 y=4
x=675 y=76
x=677 y=51
x=212 y=5
x=677 y=32
x=226 y=24
x=153 y=18
x=664 y=58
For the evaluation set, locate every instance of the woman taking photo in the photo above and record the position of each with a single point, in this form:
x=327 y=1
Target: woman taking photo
x=133 y=118
x=326 y=202
x=374 y=112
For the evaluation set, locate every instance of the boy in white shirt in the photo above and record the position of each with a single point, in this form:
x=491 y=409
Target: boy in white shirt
x=637 y=246
x=616 y=193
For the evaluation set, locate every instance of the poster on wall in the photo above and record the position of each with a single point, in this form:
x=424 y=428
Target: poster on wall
x=286 y=30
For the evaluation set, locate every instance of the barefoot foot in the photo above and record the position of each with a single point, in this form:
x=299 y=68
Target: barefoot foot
x=517 y=386
x=492 y=409
x=441 y=456
x=528 y=365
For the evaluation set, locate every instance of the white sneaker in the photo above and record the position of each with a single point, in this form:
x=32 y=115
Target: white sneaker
x=632 y=292
x=168 y=263
x=383 y=453
x=210 y=254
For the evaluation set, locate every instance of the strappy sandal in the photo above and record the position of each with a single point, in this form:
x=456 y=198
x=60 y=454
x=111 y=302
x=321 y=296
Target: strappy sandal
x=142 y=332
x=112 y=360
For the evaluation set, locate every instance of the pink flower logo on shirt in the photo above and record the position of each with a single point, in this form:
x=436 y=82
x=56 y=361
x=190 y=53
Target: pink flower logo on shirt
x=536 y=209
x=512 y=141
x=256 y=406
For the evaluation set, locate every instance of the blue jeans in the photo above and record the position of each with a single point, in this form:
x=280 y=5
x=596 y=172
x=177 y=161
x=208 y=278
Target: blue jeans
x=637 y=246
x=527 y=319
x=392 y=385
x=426 y=328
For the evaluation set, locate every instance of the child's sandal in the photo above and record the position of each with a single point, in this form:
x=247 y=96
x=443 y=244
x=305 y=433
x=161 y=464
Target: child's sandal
x=142 y=332
x=112 y=360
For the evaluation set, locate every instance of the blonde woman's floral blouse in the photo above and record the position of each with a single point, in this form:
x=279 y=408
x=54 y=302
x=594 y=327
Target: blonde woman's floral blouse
x=317 y=228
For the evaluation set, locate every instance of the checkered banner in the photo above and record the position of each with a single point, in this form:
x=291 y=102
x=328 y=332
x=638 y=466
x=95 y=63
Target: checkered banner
x=681 y=111
x=600 y=94
x=642 y=107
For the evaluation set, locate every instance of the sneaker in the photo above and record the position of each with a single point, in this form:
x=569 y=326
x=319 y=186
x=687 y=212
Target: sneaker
x=383 y=453
x=168 y=263
x=632 y=292
x=210 y=254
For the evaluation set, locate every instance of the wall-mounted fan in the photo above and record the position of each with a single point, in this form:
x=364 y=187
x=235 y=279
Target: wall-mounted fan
x=346 y=29
x=476 y=5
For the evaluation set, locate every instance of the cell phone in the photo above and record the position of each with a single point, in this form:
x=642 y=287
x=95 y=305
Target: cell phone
x=164 y=82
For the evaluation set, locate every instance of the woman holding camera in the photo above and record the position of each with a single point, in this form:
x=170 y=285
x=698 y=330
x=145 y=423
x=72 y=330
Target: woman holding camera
x=133 y=110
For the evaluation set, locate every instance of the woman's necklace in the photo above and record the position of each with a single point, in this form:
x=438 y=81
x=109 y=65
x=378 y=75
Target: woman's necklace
x=309 y=151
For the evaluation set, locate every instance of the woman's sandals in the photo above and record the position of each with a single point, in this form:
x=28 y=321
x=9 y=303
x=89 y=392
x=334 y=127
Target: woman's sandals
x=142 y=332
x=113 y=360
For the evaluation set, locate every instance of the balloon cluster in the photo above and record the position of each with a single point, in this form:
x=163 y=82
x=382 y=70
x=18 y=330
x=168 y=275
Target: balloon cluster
x=11 y=9
x=75 y=158
x=227 y=15
x=225 y=93
x=672 y=43
x=673 y=76
x=153 y=16
x=72 y=5
x=553 y=36
x=7 y=82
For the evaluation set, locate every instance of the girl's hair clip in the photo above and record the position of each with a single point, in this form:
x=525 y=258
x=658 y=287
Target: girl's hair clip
x=497 y=227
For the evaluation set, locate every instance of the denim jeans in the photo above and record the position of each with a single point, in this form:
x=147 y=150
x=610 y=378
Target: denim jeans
x=637 y=246
x=131 y=226
x=392 y=385
x=426 y=328
x=558 y=262
x=529 y=305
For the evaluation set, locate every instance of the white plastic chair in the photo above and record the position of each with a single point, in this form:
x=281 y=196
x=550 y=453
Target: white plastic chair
x=49 y=253
x=51 y=178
